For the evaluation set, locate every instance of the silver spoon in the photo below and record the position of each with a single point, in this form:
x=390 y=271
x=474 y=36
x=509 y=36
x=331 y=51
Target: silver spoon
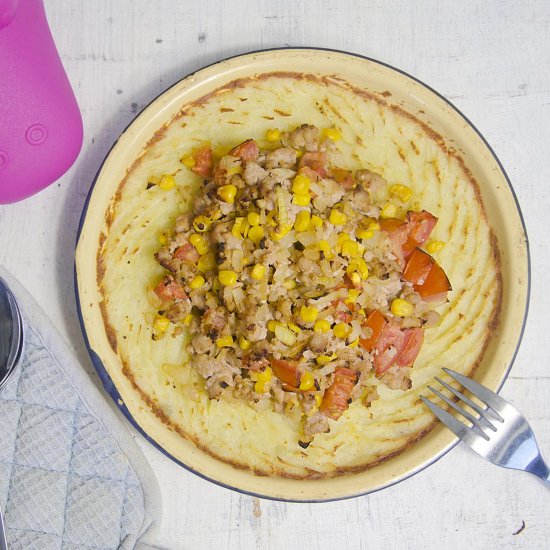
x=11 y=347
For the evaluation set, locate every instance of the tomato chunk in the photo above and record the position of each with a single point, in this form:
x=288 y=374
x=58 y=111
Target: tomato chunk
x=388 y=347
x=343 y=177
x=397 y=232
x=418 y=267
x=397 y=347
x=168 y=290
x=248 y=150
x=335 y=400
x=316 y=161
x=187 y=253
x=287 y=371
x=311 y=174
x=376 y=322
x=415 y=338
x=435 y=286
x=203 y=161
x=419 y=228
x=411 y=233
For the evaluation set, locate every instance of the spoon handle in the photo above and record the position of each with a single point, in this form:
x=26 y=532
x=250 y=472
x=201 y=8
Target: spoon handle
x=3 y=543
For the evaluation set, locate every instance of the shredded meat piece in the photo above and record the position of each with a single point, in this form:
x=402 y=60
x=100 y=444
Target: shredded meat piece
x=370 y=180
x=254 y=173
x=201 y=343
x=306 y=136
x=316 y=424
x=285 y=157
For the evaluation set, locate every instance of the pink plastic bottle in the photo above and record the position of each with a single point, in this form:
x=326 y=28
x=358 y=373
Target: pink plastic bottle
x=40 y=123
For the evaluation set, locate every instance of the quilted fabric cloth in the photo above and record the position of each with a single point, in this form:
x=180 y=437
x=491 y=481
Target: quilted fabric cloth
x=71 y=478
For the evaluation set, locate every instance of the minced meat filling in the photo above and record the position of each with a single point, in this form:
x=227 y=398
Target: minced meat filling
x=295 y=287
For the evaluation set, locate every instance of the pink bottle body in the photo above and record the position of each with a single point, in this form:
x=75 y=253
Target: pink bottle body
x=40 y=123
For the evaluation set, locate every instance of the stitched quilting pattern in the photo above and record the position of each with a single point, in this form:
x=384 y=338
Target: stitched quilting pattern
x=64 y=483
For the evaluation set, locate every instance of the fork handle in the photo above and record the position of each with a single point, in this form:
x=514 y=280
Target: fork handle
x=539 y=468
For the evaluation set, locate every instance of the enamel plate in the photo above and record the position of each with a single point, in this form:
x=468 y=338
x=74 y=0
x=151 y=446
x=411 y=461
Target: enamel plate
x=396 y=88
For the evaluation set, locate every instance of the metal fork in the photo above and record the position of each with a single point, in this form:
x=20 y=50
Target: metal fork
x=498 y=433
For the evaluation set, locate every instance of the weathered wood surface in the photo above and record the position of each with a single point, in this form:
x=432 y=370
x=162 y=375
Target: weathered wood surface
x=492 y=59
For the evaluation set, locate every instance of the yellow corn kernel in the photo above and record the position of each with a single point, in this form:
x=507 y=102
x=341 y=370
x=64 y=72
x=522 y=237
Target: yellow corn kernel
x=350 y=249
x=322 y=326
x=402 y=192
x=163 y=239
x=290 y=284
x=239 y=227
x=284 y=335
x=202 y=224
x=341 y=330
x=356 y=278
x=273 y=135
x=294 y=328
x=269 y=218
x=300 y=199
x=258 y=272
x=244 y=344
x=260 y=387
x=253 y=219
x=224 y=342
x=265 y=375
x=256 y=234
x=300 y=185
x=316 y=221
x=401 y=308
x=324 y=359
x=189 y=161
x=207 y=262
x=318 y=399
x=326 y=249
x=309 y=314
x=216 y=285
x=374 y=225
x=235 y=170
x=307 y=382
x=342 y=238
x=167 y=182
x=299 y=153
x=161 y=324
x=197 y=282
x=303 y=219
x=188 y=319
x=227 y=193
x=227 y=278
x=199 y=242
x=272 y=325
x=358 y=265
x=353 y=294
x=337 y=218
x=362 y=312
x=364 y=234
x=331 y=133
x=282 y=230
x=354 y=344
x=389 y=211
x=435 y=246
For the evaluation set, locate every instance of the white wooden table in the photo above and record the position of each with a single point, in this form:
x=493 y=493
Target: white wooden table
x=492 y=60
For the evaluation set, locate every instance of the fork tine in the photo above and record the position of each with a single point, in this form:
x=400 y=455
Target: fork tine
x=491 y=399
x=461 y=430
x=464 y=413
x=485 y=418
